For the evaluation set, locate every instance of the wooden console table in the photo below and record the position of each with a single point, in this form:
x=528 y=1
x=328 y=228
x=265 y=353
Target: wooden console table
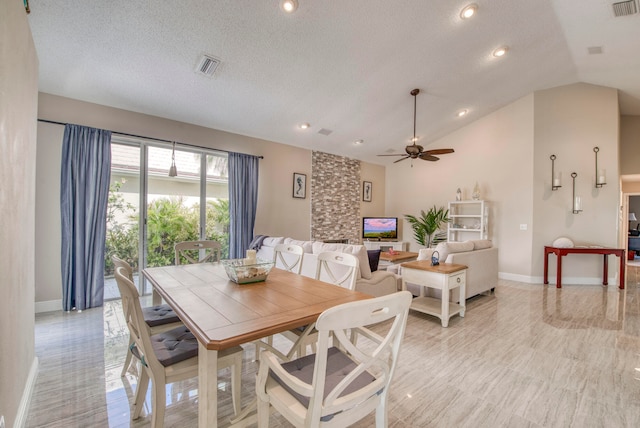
x=560 y=252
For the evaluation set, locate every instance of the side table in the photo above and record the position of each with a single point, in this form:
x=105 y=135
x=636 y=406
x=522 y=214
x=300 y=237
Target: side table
x=387 y=259
x=445 y=277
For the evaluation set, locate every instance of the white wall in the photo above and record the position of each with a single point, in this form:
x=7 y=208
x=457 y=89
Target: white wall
x=18 y=106
x=569 y=122
x=507 y=153
x=495 y=151
x=279 y=214
x=630 y=145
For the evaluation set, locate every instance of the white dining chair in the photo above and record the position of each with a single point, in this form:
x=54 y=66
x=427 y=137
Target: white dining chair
x=287 y=257
x=197 y=252
x=335 y=268
x=338 y=385
x=159 y=318
x=167 y=357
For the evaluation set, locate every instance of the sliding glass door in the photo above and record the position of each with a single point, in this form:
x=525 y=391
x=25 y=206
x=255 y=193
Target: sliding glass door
x=192 y=205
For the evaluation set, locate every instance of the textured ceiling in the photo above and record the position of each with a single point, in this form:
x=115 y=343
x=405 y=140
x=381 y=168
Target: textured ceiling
x=346 y=66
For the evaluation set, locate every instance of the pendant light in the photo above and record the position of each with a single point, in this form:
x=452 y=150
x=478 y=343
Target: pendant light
x=173 y=171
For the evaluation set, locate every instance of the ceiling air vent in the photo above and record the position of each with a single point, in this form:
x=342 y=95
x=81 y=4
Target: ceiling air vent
x=325 y=131
x=624 y=8
x=207 y=65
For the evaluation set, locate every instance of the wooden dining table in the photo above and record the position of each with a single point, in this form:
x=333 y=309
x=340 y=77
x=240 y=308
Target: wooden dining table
x=222 y=314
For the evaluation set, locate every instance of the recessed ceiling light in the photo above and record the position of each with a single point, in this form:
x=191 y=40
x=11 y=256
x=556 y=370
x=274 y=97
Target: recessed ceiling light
x=469 y=11
x=500 y=51
x=289 y=6
x=463 y=112
x=358 y=142
x=304 y=126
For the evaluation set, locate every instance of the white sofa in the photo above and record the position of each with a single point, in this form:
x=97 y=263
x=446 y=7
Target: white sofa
x=378 y=283
x=481 y=258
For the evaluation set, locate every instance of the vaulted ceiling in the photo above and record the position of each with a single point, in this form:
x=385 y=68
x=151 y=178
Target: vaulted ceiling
x=344 y=67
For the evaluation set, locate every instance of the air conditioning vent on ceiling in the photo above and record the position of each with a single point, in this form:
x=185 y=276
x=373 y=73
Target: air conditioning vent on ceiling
x=207 y=65
x=625 y=8
x=325 y=131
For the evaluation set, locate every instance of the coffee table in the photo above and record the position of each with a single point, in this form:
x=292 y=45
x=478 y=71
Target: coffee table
x=445 y=277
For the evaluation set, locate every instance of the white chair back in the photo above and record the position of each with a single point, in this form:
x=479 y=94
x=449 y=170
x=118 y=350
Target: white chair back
x=118 y=262
x=338 y=268
x=288 y=257
x=364 y=370
x=198 y=251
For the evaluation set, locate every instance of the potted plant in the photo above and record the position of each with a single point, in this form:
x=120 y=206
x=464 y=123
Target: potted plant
x=425 y=226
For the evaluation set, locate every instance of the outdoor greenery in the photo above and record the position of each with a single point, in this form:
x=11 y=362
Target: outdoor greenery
x=426 y=226
x=168 y=221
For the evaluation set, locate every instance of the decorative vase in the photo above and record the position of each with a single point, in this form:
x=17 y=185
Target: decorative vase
x=476 y=192
x=458 y=195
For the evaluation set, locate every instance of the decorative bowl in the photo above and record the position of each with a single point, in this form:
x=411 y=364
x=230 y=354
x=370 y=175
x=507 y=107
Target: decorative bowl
x=242 y=273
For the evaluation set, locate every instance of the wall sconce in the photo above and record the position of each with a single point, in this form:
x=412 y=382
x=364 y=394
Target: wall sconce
x=173 y=171
x=601 y=175
x=577 y=200
x=555 y=178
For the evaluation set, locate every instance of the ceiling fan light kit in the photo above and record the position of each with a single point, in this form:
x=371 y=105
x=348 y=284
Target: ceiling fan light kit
x=415 y=151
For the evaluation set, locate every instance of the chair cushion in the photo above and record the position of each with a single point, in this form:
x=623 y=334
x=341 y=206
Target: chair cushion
x=338 y=366
x=159 y=315
x=374 y=259
x=174 y=345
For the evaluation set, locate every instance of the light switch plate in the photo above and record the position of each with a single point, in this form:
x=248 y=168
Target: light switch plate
x=523 y=227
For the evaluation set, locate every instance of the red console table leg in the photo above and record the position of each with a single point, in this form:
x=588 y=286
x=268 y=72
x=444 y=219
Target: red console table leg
x=546 y=266
x=559 y=269
x=622 y=268
x=605 y=270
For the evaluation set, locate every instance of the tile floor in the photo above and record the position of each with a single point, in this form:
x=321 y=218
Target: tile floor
x=526 y=356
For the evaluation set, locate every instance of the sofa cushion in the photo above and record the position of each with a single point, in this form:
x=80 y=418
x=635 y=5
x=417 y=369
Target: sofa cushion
x=374 y=259
x=357 y=250
x=446 y=248
x=307 y=246
x=272 y=241
x=481 y=244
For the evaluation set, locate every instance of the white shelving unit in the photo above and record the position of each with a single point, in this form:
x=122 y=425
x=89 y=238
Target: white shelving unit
x=469 y=220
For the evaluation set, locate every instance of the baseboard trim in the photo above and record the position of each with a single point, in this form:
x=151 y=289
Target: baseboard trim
x=48 y=306
x=25 y=401
x=570 y=280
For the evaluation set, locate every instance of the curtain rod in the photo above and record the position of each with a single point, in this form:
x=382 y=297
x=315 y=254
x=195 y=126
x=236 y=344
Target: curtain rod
x=150 y=138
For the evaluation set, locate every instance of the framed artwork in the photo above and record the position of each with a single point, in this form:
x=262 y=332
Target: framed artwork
x=299 y=185
x=367 y=190
x=26 y=6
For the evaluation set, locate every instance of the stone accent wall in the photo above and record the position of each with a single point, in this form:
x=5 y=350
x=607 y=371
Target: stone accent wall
x=335 y=198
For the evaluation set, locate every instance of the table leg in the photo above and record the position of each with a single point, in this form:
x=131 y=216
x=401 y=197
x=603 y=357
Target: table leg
x=546 y=266
x=463 y=300
x=445 y=303
x=156 y=298
x=559 y=271
x=622 y=269
x=207 y=387
x=605 y=270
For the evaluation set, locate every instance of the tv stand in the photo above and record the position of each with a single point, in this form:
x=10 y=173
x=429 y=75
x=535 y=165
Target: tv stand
x=385 y=245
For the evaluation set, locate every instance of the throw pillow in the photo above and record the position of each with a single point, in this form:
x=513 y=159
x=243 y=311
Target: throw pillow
x=272 y=241
x=562 y=242
x=306 y=245
x=374 y=259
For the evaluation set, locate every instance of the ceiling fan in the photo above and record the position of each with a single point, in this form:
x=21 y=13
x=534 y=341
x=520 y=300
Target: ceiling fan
x=415 y=151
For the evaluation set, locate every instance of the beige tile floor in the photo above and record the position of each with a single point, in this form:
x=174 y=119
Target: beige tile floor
x=527 y=356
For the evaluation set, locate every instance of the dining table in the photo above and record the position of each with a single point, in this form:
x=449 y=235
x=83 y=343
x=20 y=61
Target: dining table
x=222 y=314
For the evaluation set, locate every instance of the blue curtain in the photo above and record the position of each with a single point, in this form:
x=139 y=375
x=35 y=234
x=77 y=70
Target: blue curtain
x=243 y=202
x=84 y=193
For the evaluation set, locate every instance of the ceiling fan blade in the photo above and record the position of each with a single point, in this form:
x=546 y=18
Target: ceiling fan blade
x=406 y=157
x=438 y=151
x=395 y=154
x=427 y=157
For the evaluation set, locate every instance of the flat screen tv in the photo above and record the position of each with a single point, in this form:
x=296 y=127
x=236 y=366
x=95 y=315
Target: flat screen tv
x=379 y=228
